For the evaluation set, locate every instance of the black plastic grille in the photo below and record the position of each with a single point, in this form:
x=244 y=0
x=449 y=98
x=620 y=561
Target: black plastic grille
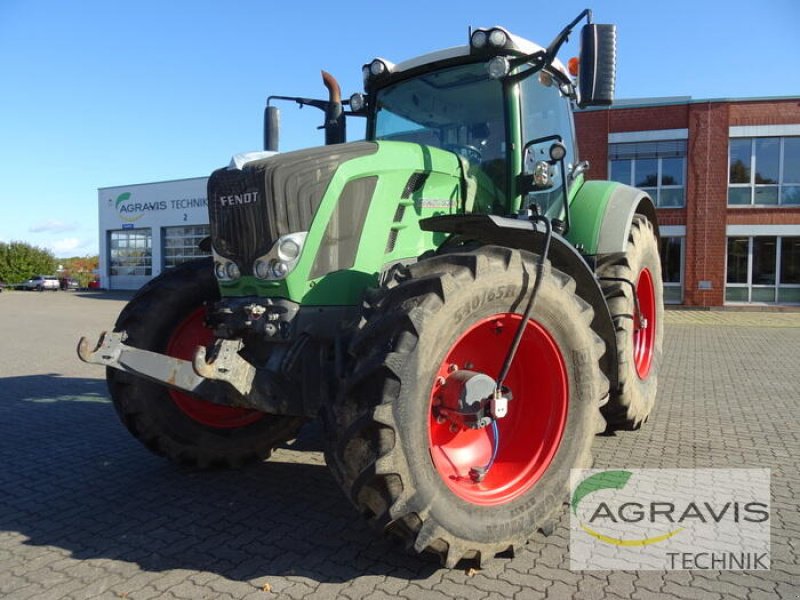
x=240 y=232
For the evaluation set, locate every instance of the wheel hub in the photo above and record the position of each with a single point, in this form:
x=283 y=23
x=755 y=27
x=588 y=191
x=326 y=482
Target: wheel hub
x=465 y=430
x=464 y=398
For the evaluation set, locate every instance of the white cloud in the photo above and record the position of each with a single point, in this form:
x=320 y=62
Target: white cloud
x=68 y=246
x=52 y=226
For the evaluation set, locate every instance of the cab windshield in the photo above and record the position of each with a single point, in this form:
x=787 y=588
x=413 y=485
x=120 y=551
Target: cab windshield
x=458 y=109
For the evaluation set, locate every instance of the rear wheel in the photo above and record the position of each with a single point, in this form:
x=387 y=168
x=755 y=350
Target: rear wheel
x=166 y=316
x=407 y=467
x=632 y=280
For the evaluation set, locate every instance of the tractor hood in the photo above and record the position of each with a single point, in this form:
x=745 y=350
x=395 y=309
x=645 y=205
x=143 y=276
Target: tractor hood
x=252 y=206
x=358 y=206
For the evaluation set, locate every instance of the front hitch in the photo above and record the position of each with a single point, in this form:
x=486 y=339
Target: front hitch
x=226 y=379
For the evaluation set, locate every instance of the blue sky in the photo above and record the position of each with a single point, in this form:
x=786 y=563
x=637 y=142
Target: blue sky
x=97 y=94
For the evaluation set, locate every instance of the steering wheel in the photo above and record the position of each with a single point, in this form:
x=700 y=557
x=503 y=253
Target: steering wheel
x=471 y=153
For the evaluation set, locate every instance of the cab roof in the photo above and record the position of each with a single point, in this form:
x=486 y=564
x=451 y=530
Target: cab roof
x=519 y=46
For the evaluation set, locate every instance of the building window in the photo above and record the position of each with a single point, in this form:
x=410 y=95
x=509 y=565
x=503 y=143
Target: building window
x=180 y=244
x=130 y=252
x=764 y=171
x=672 y=260
x=658 y=168
x=763 y=269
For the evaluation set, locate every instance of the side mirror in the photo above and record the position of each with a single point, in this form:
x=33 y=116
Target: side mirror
x=272 y=126
x=598 y=65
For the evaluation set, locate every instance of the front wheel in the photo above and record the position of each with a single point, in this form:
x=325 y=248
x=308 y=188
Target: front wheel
x=167 y=316
x=410 y=468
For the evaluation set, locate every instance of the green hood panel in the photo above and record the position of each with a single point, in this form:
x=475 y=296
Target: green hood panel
x=368 y=218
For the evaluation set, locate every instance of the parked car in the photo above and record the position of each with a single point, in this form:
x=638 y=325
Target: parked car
x=67 y=283
x=41 y=283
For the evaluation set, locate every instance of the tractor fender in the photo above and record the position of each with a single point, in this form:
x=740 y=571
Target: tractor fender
x=528 y=235
x=601 y=214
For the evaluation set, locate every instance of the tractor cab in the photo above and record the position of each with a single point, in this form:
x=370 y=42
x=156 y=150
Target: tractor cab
x=499 y=102
x=461 y=108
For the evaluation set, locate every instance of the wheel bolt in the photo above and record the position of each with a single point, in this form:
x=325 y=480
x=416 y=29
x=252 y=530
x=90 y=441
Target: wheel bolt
x=440 y=380
x=452 y=368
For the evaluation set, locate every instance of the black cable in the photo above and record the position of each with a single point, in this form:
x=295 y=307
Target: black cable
x=528 y=309
x=477 y=474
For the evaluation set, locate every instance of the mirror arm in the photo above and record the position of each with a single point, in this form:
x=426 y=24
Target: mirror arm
x=562 y=37
x=580 y=168
x=546 y=57
x=320 y=104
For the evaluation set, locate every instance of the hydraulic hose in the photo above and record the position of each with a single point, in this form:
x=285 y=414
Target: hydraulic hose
x=512 y=351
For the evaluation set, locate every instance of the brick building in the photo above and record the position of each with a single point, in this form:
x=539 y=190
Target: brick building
x=725 y=175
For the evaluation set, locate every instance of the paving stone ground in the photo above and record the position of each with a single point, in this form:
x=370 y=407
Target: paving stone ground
x=86 y=512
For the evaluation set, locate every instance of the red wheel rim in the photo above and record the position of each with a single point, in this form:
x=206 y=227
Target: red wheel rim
x=644 y=328
x=529 y=434
x=185 y=339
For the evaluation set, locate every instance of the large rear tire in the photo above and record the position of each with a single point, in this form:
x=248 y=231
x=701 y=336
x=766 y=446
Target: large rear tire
x=405 y=469
x=639 y=341
x=166 y=316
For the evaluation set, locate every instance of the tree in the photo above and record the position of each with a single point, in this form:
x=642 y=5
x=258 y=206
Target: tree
x=20 y=261
x=81 y=268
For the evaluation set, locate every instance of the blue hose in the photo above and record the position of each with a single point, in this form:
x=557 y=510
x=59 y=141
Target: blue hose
x=478 y=473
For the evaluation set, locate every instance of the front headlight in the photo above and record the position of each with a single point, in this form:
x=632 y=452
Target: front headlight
x=225 y=269
x=282 y=257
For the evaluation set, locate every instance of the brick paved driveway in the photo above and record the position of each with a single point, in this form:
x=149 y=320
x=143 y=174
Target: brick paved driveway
x=86 y=512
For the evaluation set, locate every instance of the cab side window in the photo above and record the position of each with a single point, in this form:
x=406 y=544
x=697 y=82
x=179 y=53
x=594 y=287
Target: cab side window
x=546 y=112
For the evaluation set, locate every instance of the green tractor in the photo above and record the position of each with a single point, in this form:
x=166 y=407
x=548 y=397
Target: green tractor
x=457 y=303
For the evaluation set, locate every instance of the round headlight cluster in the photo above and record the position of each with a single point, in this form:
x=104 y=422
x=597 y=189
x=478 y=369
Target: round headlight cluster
x=282 y=258
x=377 y=67
x=261 y=268
x=498 y=38
x=288 y=250
x=279 y=269
x=557 y=151
x=494 y=38
x=498 y=67
x=479 y=39
x=357 y=102
x=270 y=269
x=225 y=270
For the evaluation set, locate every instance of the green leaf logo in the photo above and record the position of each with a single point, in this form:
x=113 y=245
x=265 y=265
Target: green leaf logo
x=122 y=198
x=611 y=480
x=606 y=480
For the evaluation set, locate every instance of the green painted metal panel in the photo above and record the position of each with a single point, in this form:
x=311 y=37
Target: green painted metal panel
x=390 y=232
x=587 y=211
